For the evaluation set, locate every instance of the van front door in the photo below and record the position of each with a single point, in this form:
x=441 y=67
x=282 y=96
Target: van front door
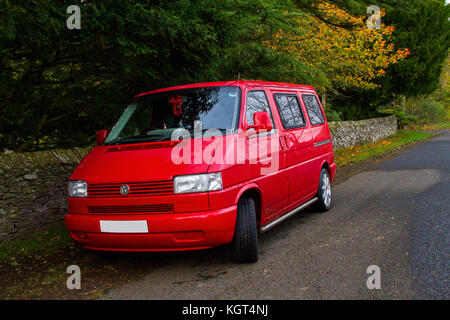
x=264 y=156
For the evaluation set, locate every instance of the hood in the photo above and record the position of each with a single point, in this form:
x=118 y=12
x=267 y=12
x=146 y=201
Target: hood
x=135 y=163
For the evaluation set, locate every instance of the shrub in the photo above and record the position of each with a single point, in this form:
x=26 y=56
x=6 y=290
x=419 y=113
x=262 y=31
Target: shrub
x=404 y=118
x=332 y=114
x=428 y=111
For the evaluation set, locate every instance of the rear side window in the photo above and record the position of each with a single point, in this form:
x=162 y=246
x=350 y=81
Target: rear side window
x=256 y=101
x=313 y=108
x=290 y=111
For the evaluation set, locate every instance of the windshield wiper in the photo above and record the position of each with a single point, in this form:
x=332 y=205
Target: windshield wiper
x=204 y=130
x=138 y=138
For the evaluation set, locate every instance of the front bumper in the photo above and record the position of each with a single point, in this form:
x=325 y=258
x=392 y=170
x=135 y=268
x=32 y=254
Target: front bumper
x=166 y=232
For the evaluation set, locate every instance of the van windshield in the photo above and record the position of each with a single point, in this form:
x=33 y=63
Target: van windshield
x=154 y=117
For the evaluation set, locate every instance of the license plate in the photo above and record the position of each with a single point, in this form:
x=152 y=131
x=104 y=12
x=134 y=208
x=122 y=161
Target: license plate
x=135 y=226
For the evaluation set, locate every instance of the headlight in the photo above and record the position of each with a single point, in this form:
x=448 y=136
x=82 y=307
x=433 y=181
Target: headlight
x=78 y=189
x=198 y=183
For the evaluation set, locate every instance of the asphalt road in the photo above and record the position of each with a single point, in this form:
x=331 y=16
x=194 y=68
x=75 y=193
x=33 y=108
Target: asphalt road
x=394 y=215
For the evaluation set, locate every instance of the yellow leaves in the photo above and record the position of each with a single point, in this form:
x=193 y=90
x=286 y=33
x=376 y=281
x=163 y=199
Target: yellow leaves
x=350 y=57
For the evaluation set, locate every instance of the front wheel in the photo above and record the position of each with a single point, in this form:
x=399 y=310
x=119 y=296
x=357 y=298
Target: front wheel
x=245 y=241
x=324 y=192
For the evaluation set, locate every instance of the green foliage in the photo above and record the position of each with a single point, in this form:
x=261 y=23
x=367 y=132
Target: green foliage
x=65 y=84
x=422 y=26
x=332 y=114
x=354 y=104
x=417 y=112
x=57 y=86
x=428 y=111
x=442 y=95
x=403 y=118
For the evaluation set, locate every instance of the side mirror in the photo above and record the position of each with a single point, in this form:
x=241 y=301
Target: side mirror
x=261 y=121
x=101 y=136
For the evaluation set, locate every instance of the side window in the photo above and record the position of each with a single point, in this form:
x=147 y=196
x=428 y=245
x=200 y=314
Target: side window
x=290 y=110
x=256 y=101
x=313 y=108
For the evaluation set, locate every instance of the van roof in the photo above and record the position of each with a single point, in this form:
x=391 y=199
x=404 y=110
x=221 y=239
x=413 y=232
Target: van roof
x=241 y=83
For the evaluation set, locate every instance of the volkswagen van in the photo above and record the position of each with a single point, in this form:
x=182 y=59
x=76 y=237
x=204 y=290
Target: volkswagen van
x=202 y=165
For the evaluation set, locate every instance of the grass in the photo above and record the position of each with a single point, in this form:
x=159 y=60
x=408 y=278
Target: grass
x=35 y=268
x=44 y=244
x=435 y=126
x=359 y=153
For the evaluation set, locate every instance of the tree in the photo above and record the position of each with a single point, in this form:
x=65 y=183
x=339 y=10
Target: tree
x=58 y=85
x=350 y=58
x=423 y=27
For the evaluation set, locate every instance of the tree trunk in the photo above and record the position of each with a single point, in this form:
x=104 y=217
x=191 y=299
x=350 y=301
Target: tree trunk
x=324 y=99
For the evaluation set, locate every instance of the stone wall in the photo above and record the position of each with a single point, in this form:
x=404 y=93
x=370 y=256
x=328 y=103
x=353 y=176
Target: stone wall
x=33 y=190
x=350 y=133
x=34 y=185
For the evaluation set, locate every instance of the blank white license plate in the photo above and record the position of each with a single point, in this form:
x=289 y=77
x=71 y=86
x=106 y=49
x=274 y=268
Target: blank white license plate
x=135 y=226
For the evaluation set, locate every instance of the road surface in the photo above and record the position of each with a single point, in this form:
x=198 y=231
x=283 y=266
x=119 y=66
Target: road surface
x=394 y=215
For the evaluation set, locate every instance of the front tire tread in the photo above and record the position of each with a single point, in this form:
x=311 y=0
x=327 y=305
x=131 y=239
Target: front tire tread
x=245 y=241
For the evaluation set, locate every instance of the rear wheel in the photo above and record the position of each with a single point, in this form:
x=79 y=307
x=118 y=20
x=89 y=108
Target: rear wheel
x=245 y=241
x=324 y=192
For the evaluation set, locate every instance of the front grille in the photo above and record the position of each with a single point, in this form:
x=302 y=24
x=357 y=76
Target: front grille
x=153 y=208
x=137 y=189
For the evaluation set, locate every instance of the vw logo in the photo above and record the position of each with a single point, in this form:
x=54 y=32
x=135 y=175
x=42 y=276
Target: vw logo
x=124 y=189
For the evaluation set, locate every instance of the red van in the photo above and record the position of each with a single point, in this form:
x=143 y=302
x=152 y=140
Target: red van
x=201 y=165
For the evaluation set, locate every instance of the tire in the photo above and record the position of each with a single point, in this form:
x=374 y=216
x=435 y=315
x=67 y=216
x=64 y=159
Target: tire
x=324 y=193
x=245 y=241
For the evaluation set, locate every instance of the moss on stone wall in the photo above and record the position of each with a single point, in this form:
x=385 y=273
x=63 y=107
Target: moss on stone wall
x=29 y=160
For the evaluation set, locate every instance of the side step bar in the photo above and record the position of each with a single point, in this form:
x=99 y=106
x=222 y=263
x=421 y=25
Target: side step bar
x=287 y=215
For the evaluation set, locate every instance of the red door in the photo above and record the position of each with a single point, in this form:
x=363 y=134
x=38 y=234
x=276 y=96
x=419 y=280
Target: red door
x=299 y=145
x=265 y=156
x=319 y=129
